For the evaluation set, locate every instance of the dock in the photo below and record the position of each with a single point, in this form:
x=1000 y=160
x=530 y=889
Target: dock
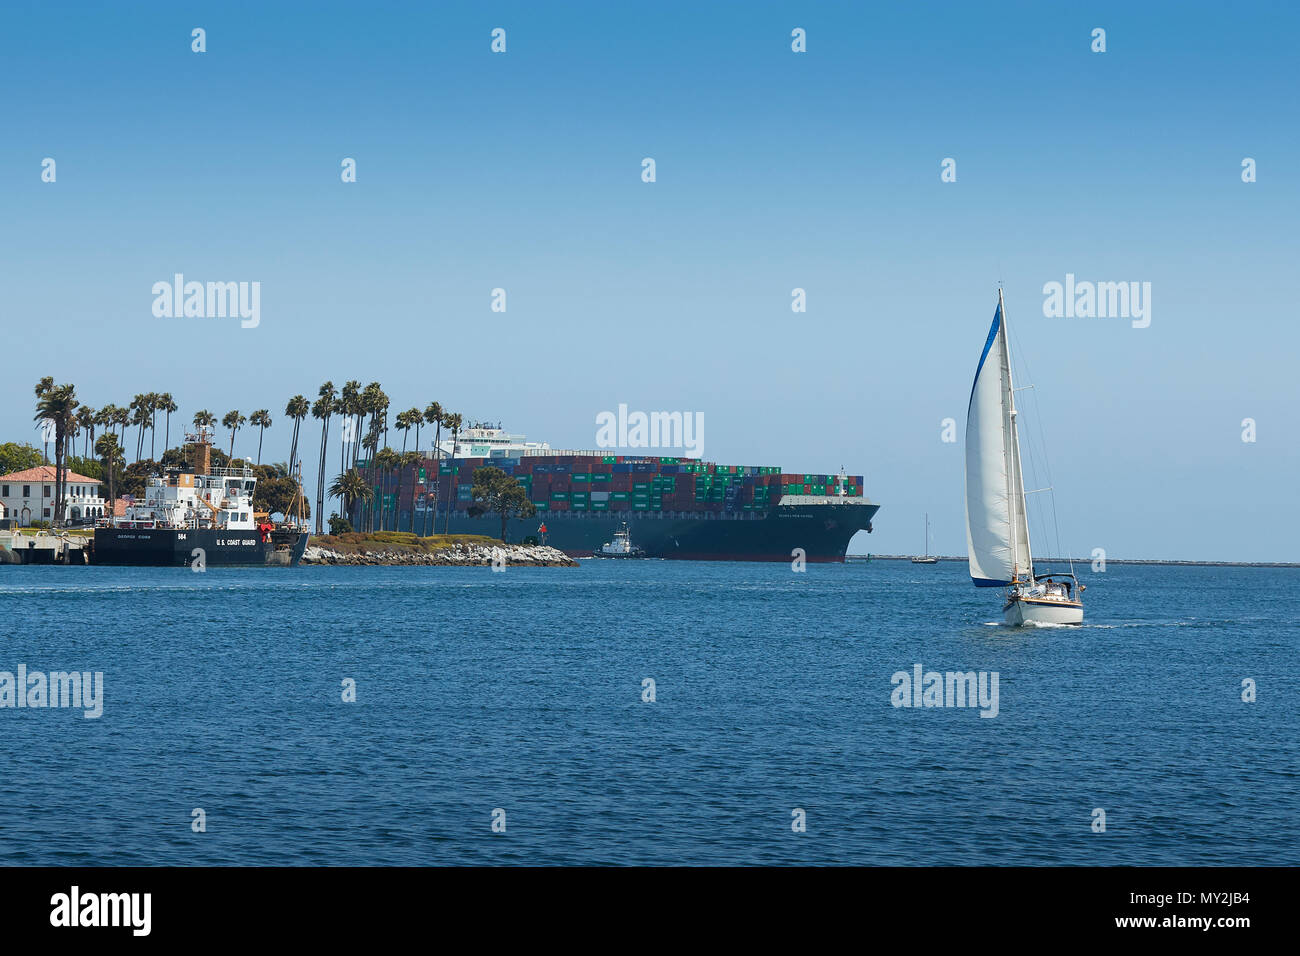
x=43 y=547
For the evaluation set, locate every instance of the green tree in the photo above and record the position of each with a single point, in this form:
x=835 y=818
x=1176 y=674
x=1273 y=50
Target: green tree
x=111 y=461
x=278 y=493
x=433 y=415
x=495 y=492
x=167 y=405
x=154 y=401
x=453 y=424
x=385 y=460
x=140 y=417
x=122 y=419
x=16 y=457
x=297 y=409
x=322 y=409
x=351 y=488
x=86 y=426
x=262 y=419
x=233 y=420
x=411 y=460
x=58 y=404
x=43 y=386
x=351 y=408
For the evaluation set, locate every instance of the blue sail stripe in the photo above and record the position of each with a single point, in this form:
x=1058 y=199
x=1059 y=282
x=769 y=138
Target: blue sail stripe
x=993 y=333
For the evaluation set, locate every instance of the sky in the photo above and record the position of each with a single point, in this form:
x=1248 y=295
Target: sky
x=774 y=170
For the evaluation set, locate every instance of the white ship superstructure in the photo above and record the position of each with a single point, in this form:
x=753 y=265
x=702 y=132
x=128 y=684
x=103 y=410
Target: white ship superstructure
x=488 y=441
x=208 y=498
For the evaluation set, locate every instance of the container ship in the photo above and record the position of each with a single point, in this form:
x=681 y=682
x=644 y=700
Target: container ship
x=201 y=517
x=673 y=507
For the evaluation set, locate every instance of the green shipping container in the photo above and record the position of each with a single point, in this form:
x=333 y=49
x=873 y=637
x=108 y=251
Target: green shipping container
x=618 y=495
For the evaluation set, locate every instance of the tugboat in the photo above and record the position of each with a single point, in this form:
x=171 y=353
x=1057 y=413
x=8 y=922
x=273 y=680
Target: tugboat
x=620 y=547
x=199 y=517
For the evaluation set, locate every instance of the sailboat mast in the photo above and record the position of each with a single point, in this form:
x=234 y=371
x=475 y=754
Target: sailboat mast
x=1015 y=479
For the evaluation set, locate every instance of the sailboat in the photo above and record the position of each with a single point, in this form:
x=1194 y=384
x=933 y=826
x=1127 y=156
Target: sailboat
x=997 y=530
x=926 y=558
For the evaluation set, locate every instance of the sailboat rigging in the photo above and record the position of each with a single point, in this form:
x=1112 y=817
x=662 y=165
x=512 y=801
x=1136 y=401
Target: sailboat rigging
x=927 y=558
x=997 y=527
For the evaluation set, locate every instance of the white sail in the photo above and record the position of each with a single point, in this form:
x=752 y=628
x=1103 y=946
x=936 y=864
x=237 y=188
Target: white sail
x=997 y=535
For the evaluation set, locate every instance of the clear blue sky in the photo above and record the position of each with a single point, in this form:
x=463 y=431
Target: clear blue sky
x=775 y=170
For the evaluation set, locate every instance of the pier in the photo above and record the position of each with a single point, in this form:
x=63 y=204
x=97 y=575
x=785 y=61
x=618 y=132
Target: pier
x=43 y=547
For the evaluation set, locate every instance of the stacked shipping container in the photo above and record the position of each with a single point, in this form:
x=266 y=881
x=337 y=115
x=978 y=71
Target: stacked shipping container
x=617 y=483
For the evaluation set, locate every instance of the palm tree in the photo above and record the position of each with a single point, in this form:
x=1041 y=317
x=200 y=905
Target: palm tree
x=154 y=400
x=369 y=444
x=42 y=387
x=350 y=402
x=297 y=409
x=110 y=453
x=167 y=404
x=204 y=419
x=139 y=417
x=86 y=425
x=341 y=410
x=58 y=403
x=233 y=420
x=106 y=417
x=405 y=422
x=416 y=417
x=122 y=418
x=373 y=401
x=262 y=419
x=321 y=409
x=433 y=414
x=350 y=488
x=453 y=423
x=385 y=461
x=408 y=459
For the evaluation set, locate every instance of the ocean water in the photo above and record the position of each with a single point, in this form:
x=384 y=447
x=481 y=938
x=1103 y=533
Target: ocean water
x=522 y=691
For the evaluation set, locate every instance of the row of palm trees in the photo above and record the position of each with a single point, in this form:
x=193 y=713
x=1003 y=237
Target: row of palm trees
x=141 y=413
x=363 y=413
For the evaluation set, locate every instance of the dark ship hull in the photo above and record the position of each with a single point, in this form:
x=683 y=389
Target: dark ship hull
x=822 y=532
x=160 y=547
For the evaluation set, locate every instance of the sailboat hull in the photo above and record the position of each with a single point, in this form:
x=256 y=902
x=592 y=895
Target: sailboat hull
x=1022 y=611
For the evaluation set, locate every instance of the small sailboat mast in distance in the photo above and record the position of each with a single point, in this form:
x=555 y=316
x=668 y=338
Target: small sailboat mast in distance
x=926 y=558
x=997 y=529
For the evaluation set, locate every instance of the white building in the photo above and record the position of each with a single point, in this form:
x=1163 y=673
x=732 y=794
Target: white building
x=28 y=496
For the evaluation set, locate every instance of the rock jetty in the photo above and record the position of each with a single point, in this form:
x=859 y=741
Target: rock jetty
x=462 y=555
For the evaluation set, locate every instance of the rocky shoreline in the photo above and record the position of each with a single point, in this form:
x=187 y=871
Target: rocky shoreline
x=457 y=555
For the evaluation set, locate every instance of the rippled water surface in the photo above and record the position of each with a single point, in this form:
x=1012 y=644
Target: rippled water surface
x=523 y=691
